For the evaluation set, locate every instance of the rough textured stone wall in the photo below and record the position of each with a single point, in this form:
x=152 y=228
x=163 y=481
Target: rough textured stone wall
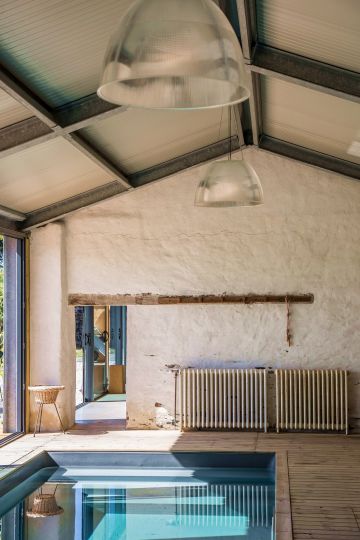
x=304 y=239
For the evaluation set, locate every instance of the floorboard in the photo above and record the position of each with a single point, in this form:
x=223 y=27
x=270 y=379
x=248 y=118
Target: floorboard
x=323 y=471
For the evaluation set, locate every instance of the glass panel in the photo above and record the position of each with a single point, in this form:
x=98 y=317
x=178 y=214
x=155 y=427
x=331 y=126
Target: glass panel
x=100 y=350
x=117 y=351
x=11 y=335
x=1 y=334
x=79 y=322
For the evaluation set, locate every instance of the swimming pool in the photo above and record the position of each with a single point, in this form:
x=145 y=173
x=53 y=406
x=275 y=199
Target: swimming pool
x=142 y=496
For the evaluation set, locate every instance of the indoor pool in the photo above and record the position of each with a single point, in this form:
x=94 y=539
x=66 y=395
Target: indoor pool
x=141 y=503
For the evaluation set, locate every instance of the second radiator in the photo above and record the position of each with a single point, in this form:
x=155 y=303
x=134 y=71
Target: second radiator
x=232 y=399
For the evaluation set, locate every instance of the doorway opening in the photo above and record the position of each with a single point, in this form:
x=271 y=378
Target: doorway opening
x=101 y=366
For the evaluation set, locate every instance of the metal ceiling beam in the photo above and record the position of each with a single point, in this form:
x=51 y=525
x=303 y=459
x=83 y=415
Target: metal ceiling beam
x=305 y=72
x=9 y=227
x=240 y=110
x=60 y=209
x=85 y=112
x=108 y=191
x=263 y=60
x=68 y=118
x=97 y=157
x=191 y=159
x=9 y=213
x=244 y=18
x=23 y=135
x=52 y=123
x=311 y=157
x=23 y=95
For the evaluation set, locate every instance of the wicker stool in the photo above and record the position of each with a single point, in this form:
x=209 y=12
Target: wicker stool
x=45 y=395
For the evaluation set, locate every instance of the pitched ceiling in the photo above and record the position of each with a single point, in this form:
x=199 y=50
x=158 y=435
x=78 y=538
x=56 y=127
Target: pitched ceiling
x=59 y=141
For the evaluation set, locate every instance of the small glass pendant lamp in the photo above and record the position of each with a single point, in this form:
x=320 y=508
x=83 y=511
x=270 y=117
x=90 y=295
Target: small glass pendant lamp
x=229 y=183
x=174 y=54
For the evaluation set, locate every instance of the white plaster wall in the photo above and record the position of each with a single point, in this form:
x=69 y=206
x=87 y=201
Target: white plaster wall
x=52 y=324
x=304 y=239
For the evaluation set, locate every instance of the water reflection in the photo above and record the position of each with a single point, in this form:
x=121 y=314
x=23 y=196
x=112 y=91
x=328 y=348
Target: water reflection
x=166 y=508
x=43 y=505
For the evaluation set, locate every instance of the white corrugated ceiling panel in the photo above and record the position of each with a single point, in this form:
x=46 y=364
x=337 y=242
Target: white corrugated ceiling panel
x=139 y=138
x=56 y=47
x=325 y=30
x=11 y=111
x=309 y=118
x=45 y=174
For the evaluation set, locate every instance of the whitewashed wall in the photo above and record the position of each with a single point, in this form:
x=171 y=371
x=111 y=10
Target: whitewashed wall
x=52 y=324
x=304 y=239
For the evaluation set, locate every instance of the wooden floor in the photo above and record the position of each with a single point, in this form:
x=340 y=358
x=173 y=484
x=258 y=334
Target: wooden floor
x=320 y=474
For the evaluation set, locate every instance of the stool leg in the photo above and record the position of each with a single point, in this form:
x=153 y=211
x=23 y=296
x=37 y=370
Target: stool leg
x=41 y=411
x=59 y=418
x=37 y=419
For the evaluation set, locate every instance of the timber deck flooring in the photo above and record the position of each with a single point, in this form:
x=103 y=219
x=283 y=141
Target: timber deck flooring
x=320 y=472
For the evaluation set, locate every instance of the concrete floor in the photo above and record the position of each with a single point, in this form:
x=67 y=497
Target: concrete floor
x=97 y=416
x=100 y=410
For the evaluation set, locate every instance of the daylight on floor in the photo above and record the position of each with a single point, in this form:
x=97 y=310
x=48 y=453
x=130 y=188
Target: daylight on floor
x=182 y=362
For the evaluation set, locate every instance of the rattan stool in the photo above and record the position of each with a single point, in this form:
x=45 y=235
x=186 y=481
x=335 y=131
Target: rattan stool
x=45 y=395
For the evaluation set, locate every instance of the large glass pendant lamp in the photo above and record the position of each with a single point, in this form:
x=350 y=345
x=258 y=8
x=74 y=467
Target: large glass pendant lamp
x=174 y=54
x=229 y=183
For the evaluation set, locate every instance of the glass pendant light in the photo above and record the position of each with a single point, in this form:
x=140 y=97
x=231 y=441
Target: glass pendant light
x=174 y=54
x=229 y=183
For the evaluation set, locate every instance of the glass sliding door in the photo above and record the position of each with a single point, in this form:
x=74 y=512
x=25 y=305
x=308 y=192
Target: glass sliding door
x=117 y=357
x=12 y=336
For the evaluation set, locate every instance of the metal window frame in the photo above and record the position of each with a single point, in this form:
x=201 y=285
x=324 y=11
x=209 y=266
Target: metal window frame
x=120 y=338
x=15 y=332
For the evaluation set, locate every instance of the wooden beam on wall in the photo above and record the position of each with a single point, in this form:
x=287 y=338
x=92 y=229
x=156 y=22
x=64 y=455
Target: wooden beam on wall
x=156 y=299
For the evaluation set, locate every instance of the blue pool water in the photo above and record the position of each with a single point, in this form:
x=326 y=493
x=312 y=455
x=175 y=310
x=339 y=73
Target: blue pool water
x=141 y=504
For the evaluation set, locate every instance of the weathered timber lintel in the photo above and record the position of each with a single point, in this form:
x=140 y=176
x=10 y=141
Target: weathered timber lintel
x=155 y=299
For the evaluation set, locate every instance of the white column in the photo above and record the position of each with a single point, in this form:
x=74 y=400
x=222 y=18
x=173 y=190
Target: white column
x=52 y=324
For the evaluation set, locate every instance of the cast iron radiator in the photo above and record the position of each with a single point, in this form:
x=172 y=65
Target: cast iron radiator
x=311 y=400
x=231 y=399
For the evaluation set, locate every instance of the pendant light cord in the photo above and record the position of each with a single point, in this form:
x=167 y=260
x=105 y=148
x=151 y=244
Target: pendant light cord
x=221 y=117
x=230 y=133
